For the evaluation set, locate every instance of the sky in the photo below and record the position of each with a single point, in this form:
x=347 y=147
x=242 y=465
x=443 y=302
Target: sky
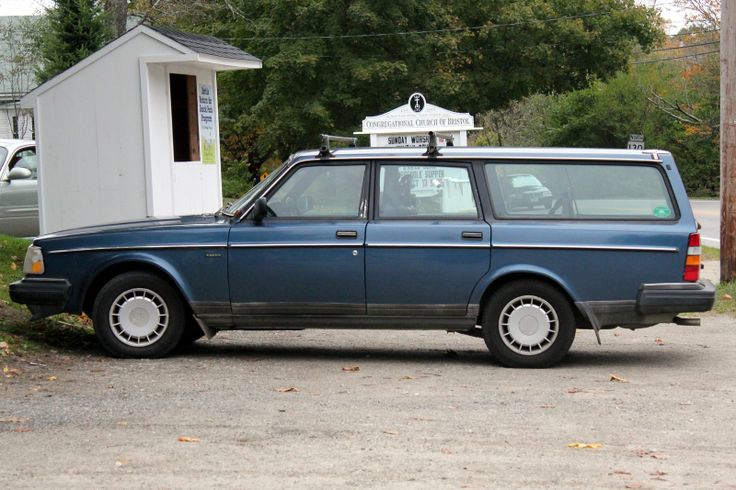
x=30 y=7
x=22 y=7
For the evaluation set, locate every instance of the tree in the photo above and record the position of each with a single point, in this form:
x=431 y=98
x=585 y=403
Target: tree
x=116 y=14
x=330 y=63
x=18 y=59
x=74 y=30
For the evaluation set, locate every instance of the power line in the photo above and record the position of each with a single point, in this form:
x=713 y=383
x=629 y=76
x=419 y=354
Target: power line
x=660 y=60
x=693 y=32
x=431 y=31
x=685 y=46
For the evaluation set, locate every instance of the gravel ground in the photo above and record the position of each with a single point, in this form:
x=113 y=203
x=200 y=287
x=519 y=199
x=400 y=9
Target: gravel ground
x=325 y=409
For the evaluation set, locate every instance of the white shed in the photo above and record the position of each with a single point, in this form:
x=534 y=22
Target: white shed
x=132 y=130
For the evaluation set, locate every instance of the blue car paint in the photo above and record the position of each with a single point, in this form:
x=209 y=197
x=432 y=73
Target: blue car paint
x=294 y=275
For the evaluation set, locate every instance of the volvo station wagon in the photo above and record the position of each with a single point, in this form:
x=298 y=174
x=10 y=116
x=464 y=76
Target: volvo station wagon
x=379 y=238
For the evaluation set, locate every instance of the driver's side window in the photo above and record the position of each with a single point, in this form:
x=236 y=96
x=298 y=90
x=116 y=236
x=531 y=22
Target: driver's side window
x=330 y=191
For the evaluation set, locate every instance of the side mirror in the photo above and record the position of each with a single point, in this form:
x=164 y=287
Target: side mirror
x=19 y=173
x=260 y=209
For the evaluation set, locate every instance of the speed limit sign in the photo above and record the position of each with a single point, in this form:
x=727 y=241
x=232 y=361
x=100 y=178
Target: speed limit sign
x=636 y=142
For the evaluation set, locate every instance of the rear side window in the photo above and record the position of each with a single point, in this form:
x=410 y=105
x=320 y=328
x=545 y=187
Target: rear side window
x=427 y=191
x=579 y=191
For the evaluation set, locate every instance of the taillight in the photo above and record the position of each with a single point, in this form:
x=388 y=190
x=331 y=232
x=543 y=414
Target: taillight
x=692 y=262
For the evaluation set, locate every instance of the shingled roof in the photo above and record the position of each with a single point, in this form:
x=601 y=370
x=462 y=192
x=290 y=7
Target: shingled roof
x=206 y=45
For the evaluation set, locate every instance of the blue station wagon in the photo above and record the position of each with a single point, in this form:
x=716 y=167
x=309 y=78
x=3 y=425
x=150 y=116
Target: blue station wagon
x=396 y=239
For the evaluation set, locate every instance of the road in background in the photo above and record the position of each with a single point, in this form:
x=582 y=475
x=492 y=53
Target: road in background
x=708 y=214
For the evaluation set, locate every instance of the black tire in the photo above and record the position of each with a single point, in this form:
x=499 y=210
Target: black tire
x=127 y=307
x=546 y=314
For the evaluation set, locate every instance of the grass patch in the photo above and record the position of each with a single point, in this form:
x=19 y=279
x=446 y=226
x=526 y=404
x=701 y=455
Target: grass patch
x=726 y=298
x=711 y=253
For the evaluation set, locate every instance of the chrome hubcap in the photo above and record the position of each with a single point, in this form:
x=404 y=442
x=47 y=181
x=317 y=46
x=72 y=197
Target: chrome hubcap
x=528 y=325
x=139 y=317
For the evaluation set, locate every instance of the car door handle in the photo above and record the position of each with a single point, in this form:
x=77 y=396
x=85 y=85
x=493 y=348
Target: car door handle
x=472 y=235
x=346 y=234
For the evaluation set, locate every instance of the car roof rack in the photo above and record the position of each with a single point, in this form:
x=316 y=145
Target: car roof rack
x=324 y=150
x=433 y=149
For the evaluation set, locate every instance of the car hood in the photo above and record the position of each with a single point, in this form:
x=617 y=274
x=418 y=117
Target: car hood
x=139 y=225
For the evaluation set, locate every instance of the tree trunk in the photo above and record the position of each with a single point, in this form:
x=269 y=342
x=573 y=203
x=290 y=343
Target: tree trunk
x=728 y=140
x=117 y=16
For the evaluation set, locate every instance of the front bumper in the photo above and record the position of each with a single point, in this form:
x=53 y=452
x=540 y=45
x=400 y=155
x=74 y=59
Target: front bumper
x=43 y=296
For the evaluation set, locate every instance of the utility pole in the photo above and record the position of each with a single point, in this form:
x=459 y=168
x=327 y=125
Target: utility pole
x=728 y=140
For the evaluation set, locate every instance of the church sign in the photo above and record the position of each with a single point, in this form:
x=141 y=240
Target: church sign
x=409 y=125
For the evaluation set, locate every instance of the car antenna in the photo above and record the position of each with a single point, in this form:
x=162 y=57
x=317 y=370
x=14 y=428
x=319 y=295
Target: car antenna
x=433 y=150
x=324 y=150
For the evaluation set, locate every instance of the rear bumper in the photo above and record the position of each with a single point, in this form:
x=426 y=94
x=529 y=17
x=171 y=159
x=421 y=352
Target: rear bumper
x=679 y=297
x=43 y=296
x=655 y=303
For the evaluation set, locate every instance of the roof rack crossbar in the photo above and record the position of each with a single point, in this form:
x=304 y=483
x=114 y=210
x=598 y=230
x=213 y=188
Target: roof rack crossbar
x=324 y=149
x=433 y=149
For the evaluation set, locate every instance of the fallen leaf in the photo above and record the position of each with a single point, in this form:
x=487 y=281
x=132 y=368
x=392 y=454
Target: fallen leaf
x=659 y=341
x=187 y=439
x=584 y=445
x=51 y=378
x=13 y=420
x=13 y=266
x=22 y=429
x=621 y=472
x=446 y=450
x=547 y=405
x=9 y=372
x=290 y=389
x=391 y=432
x=643 y=453
x=572 y=391
x=618 y=379
x=658 y=473
x=407 y=377
x=727 y=296
x=633 y=485
x=351 y=369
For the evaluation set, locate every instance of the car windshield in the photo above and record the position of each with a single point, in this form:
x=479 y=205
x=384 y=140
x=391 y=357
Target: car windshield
x=240 y=204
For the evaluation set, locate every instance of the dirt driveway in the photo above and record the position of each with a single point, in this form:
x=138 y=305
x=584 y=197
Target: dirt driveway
x=320 y=409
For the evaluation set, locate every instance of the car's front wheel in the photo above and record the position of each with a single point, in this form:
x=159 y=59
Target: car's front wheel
x=138 y=314
x=528 y=324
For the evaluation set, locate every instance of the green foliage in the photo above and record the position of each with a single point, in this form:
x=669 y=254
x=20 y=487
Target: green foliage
x=675 y=107
x=726 y=298
x=73 y=30
x=12 y=254
x=464 y=55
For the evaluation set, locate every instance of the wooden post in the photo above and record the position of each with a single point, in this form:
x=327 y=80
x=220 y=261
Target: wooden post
x=728 y=140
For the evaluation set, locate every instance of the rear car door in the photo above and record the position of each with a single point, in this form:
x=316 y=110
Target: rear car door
x=306 y=258
x=427 y=244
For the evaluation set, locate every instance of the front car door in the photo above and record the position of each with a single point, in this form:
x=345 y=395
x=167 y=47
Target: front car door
x=427 y=245
x=19 y=198
x=305 y=261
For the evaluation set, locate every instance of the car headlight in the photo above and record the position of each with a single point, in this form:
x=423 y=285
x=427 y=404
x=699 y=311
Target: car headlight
x=34 y=261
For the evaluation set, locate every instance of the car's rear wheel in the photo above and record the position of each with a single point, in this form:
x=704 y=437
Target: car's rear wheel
x=528 y=324
x=138 y=314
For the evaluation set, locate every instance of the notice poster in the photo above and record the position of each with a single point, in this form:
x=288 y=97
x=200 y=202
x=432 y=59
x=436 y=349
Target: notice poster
x=207 y=132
